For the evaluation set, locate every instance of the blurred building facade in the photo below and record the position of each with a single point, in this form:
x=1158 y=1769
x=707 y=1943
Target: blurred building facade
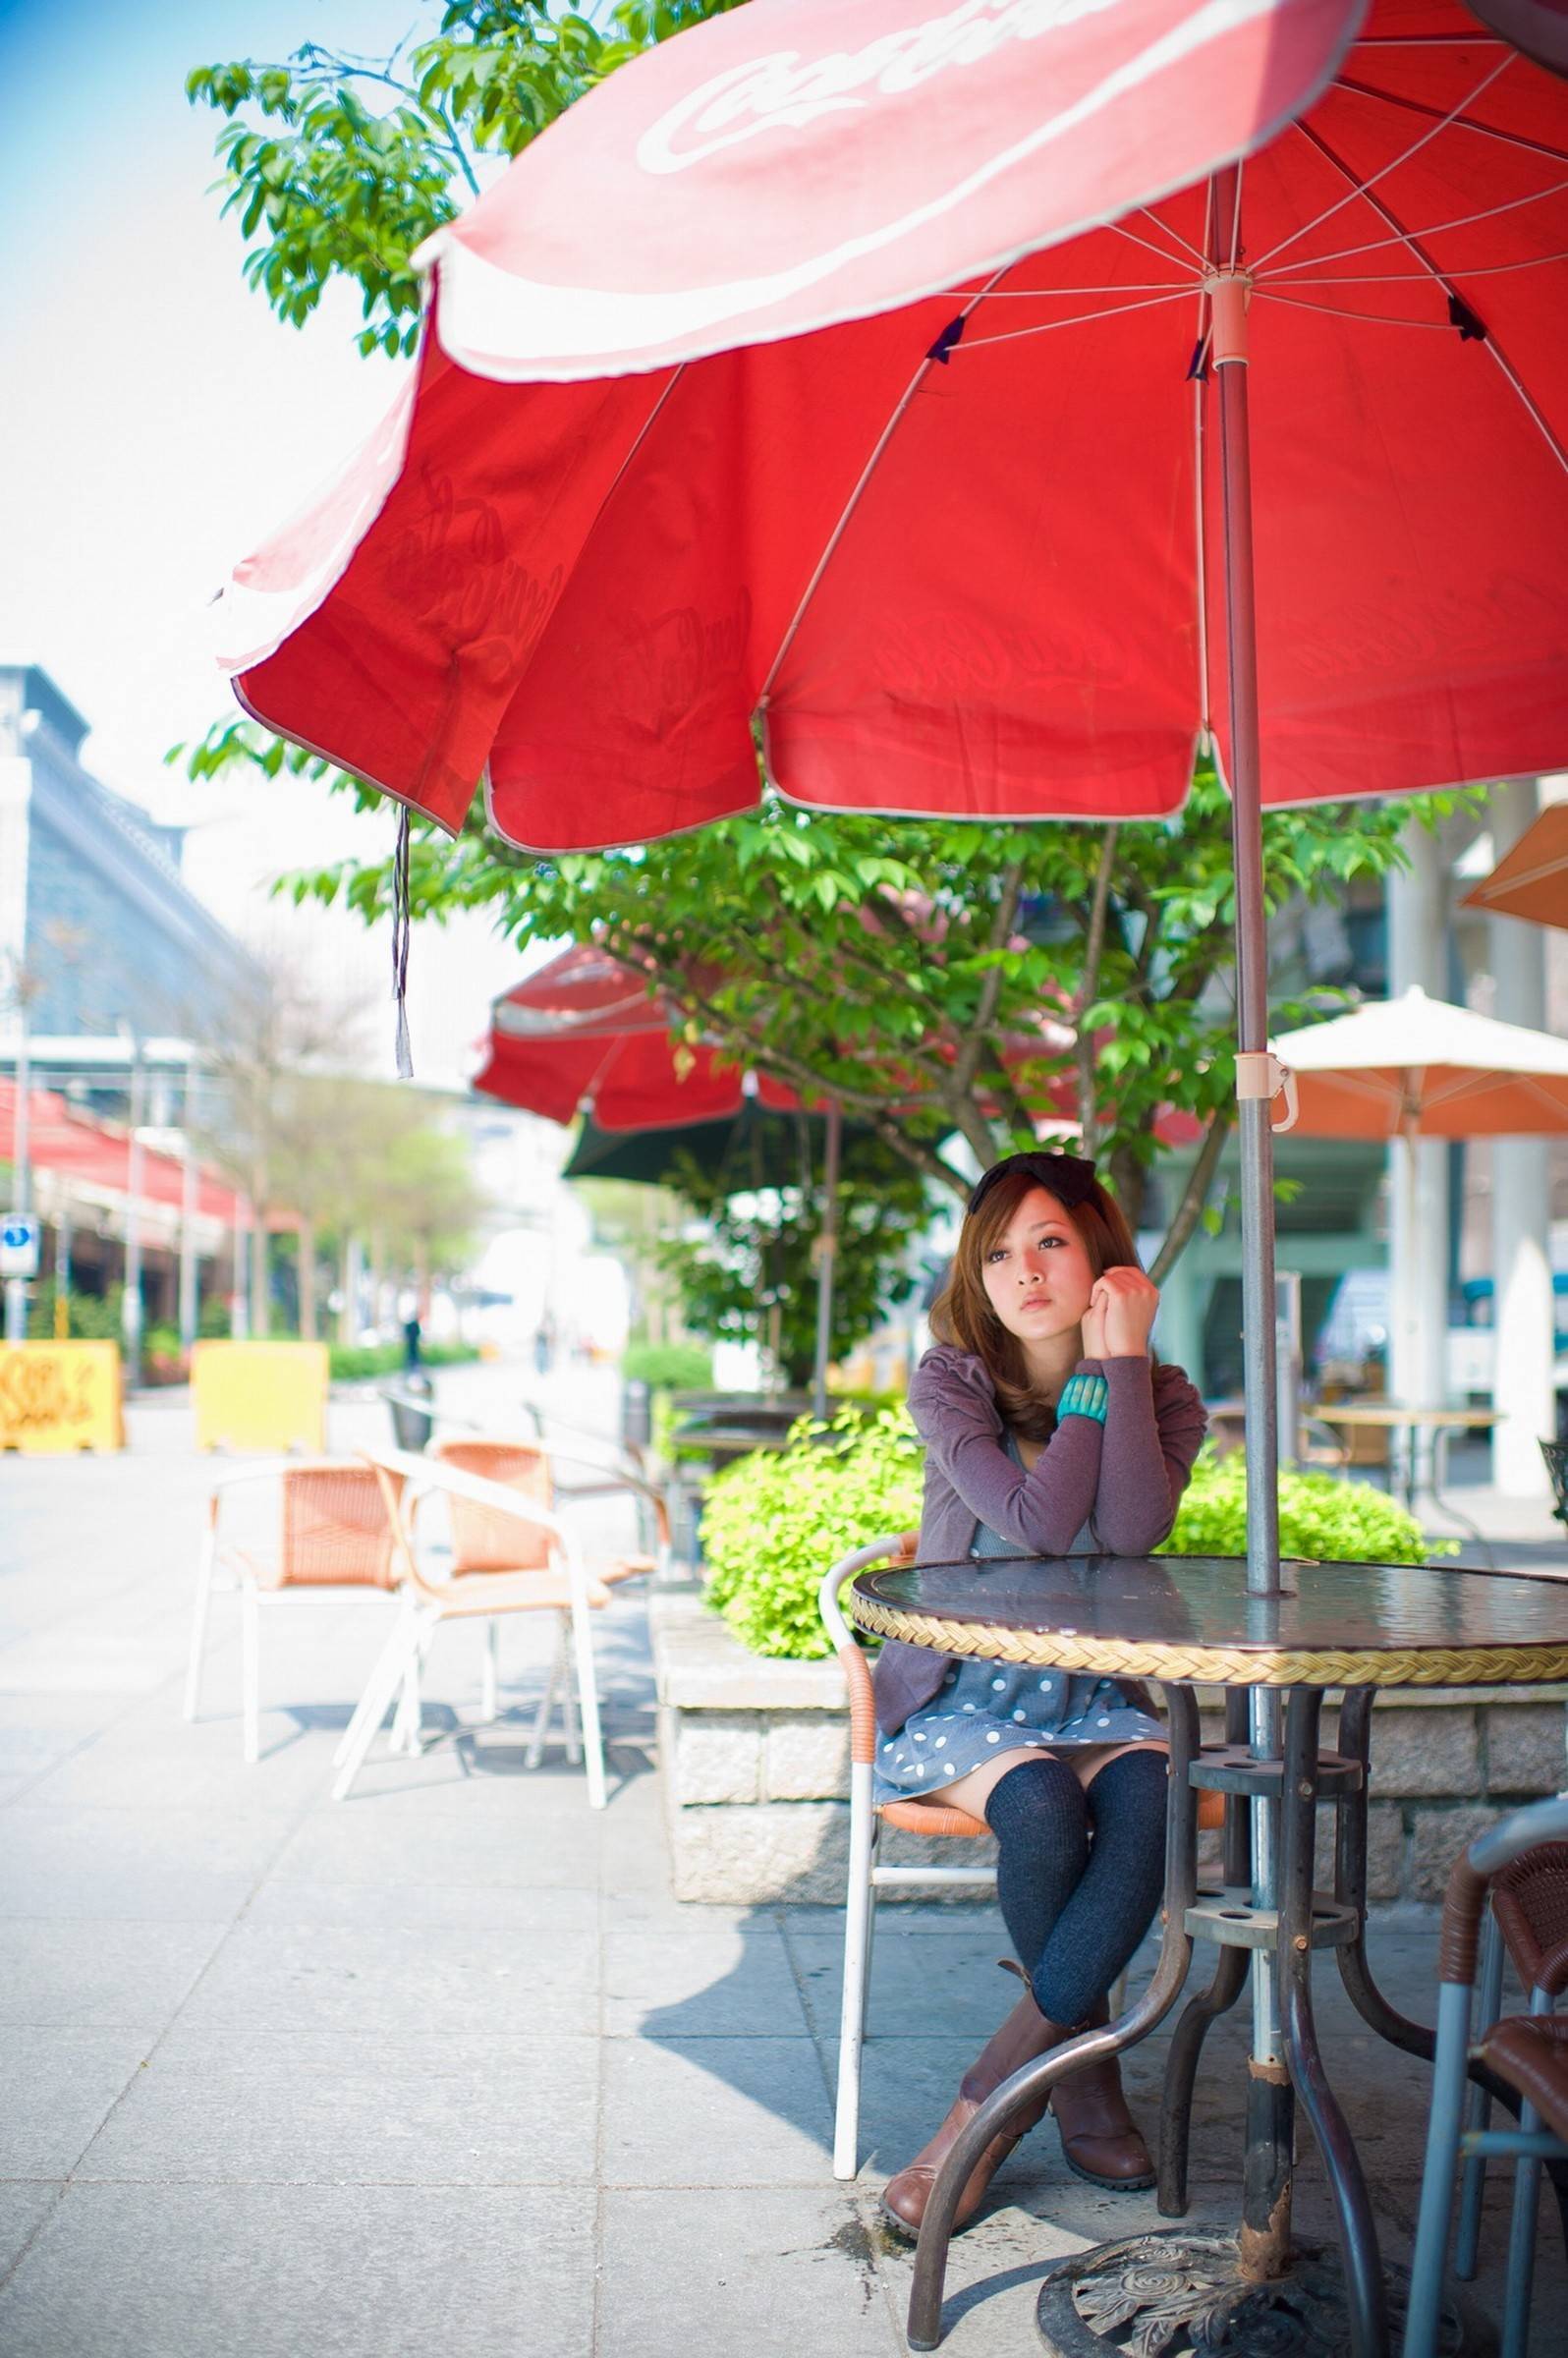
x=94 y=915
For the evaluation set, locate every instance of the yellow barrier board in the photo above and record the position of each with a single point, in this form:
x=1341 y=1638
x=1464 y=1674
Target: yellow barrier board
x=259 y=1395
x=60 y=1396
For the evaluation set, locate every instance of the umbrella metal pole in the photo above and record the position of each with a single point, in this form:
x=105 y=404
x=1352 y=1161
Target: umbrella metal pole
x=826 y=1255
x=1264 y=2240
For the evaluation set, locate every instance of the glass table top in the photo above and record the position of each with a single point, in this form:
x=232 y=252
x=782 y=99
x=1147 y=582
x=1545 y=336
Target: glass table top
x=1418 y=1624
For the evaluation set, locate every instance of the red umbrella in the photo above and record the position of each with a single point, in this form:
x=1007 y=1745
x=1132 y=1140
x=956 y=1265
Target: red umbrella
x=962 y=555
x=585 y=1033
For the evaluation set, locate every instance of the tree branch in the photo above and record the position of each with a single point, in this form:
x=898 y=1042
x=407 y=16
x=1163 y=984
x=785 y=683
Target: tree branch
x=1004 y=918
x=1190 y=1209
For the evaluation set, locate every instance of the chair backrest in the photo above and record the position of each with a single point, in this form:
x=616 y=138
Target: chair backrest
x=336 y=1528
x=1530 y=1900
x=484 y=1540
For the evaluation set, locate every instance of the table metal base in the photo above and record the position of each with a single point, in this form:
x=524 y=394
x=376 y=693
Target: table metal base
x=1165 y=2295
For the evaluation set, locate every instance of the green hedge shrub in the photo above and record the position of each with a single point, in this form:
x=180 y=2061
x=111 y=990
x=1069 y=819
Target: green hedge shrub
x=1321 y=1517
x=773 y=1523
x=668 y=1366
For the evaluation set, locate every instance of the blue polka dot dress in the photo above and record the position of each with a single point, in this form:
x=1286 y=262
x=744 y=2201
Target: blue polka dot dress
x=982 y=1709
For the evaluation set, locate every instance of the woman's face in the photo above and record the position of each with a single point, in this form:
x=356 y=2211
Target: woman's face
x=1037 y=1274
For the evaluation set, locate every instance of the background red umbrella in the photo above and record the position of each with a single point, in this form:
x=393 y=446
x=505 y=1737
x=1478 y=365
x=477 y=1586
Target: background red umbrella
x=584 y=1034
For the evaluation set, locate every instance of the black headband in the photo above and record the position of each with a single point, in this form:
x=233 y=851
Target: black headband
x=1070 y=1178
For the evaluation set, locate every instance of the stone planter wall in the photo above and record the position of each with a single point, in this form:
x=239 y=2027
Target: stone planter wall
x=756 y=1758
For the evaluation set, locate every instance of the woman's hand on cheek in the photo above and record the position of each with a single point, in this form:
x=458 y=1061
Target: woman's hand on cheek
x=1093 y=1326
x=1131 y=1302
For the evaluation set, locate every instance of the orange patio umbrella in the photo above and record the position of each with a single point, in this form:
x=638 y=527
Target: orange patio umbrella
x=1531 y=880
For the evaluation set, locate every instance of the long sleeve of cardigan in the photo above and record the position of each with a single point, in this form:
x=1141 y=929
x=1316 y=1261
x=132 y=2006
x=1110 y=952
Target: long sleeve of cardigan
x=1041 y=1512
x=1153 y=1425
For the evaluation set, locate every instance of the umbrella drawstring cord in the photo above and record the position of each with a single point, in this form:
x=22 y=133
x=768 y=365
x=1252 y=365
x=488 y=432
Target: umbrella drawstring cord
x=401 y=922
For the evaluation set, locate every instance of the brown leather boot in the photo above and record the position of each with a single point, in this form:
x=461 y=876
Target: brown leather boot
x=1026 y=2034
x=1100 y=2140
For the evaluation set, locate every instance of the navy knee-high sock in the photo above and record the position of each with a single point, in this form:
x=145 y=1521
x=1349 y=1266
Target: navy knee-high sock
x=1111 y=1906
x=1040 y=1819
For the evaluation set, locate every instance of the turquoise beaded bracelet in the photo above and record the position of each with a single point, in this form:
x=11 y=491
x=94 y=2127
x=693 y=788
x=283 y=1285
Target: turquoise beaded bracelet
x=1084 y=1396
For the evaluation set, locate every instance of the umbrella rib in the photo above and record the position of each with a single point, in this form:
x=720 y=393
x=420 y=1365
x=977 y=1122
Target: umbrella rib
x=1405 y=278
x=1360 y=187
x=1175 y=234
x=1485 y=131
x=1337 y=310
x=1437 y=229
x=1046 y=327
x=1161 y=253
x=1409 y=239
x=857 y=494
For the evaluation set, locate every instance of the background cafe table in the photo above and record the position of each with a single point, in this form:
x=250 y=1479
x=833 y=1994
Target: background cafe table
x=1185 y=1621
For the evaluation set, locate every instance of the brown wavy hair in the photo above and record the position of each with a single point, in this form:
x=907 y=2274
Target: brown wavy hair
x=962 y=1314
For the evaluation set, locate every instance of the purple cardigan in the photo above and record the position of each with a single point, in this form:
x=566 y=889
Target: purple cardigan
x=1125 y=1477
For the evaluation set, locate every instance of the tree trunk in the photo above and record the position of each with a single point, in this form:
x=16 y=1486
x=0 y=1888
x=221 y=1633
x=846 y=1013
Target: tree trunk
x=349 y=1312
x=377 y=1276
x=261 y=1292
x=307 y=1314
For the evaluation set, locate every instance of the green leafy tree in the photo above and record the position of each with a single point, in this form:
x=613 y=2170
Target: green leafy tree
x=338 y=165
x=753 y=1274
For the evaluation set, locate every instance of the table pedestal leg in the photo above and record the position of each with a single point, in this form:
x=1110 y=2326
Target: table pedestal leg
x=1255 y=2291
x=1199 y=2013
x=1365 y=2307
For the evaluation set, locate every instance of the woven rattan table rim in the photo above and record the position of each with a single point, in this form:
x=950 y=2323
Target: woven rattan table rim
x=1220 y=1666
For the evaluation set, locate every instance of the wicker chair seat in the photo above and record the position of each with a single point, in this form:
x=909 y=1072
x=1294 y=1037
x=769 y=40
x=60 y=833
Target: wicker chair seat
x=1531 y=2052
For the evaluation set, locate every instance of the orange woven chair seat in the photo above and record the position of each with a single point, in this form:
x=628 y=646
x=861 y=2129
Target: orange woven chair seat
x=624 y=1567
x=498 y=1591
x=1531 y=2052
x=940 y=1818
x=931 y=1818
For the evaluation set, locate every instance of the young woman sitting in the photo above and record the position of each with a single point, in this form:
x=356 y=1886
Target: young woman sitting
x=1048 y=1431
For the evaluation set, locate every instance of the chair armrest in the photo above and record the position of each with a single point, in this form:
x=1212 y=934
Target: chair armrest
x=852 y=1657
x=1473 y=1871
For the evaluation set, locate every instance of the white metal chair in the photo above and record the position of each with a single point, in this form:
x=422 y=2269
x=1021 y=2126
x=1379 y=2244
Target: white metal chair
x=333 y=1544
x=1528 y=2052
x=542 y=1572
x=866 y=1875
x=484 y=1543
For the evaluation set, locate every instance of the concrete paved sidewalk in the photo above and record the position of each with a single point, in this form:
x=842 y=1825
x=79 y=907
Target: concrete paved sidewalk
x=443 y=2066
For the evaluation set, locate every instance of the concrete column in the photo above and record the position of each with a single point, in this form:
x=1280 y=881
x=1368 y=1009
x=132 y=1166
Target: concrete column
x=1521 y=1211
x=1418 y=1206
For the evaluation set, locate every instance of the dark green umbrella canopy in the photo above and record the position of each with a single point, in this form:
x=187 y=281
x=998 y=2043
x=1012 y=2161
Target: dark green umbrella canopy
x=750 y=1150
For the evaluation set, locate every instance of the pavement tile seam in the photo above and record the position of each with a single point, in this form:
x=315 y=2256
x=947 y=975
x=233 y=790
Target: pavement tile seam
x=61 y=2188
x=286 y=1835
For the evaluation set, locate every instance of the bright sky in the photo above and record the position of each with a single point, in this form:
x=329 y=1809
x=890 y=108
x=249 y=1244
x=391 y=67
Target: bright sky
x=159 y=422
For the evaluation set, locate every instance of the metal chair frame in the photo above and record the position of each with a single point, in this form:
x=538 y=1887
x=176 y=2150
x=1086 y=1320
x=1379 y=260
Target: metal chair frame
x=252 y=1594
x=478 y=1597
x=866 y=1875
x=1469 y=1996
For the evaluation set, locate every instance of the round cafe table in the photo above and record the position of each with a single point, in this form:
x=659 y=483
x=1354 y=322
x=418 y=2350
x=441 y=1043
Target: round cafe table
x=1185 y=1621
